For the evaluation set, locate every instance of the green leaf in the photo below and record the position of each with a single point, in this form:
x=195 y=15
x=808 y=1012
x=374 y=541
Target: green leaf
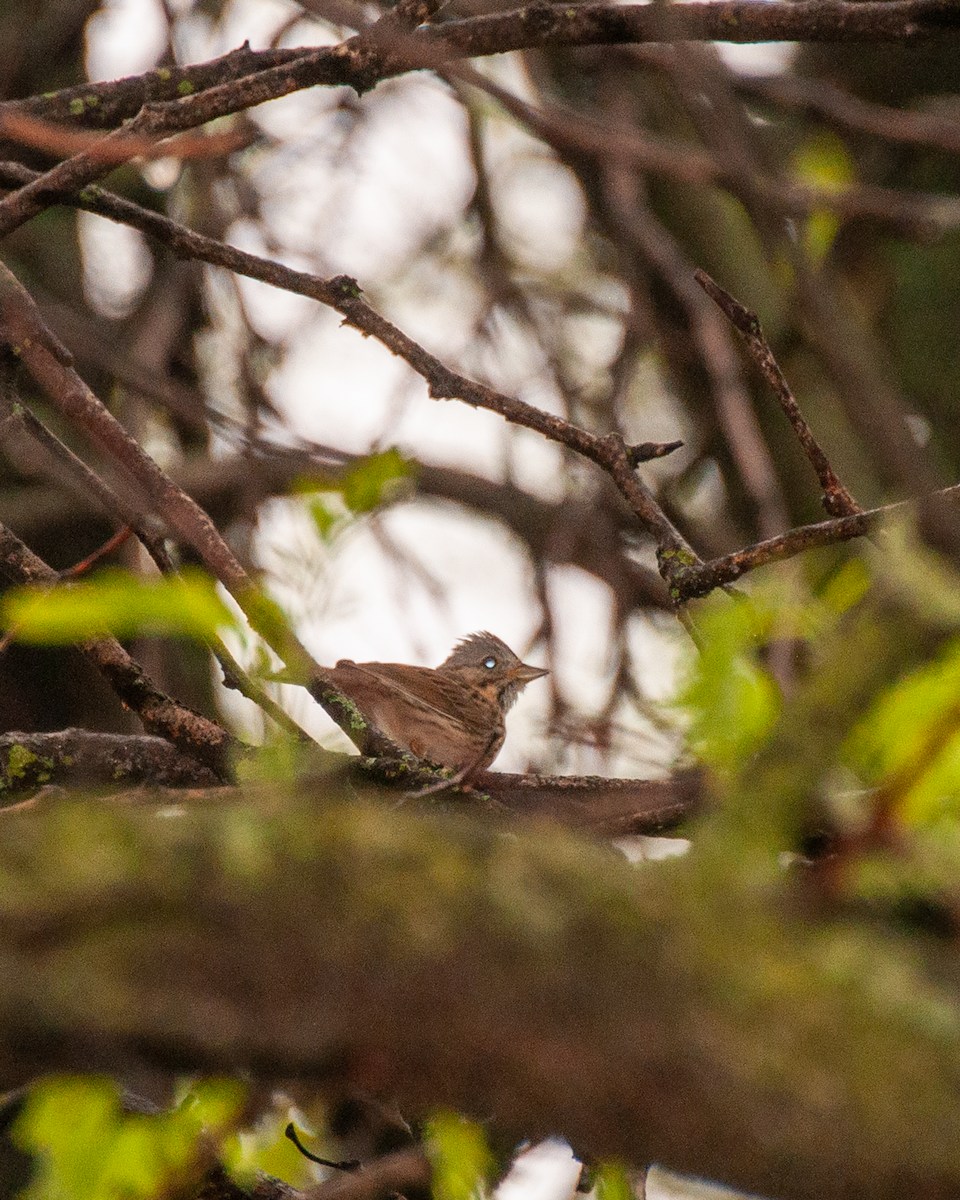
x=733 y=700
x=116 y=602
x=613 y=1183
x=374 y=479
x=327 y=521
x=370 y=482
x=88 y=1148
x=822 y=162
x=461 y=1159
x=898 y=729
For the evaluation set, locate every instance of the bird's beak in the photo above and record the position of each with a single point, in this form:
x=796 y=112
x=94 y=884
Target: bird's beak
x=524 y=674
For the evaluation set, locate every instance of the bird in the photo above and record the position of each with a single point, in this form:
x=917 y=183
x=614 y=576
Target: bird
x=450 y=716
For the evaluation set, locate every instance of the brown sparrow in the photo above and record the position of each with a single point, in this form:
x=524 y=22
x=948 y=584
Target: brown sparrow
x=452 y=716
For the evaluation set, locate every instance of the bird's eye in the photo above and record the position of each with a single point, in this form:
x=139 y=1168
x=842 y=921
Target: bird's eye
x=490 y=663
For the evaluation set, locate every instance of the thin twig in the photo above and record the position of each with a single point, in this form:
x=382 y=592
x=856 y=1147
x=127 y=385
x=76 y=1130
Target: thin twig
x=718 y=572
x=74 y=572
x=108 y=547
x=836 y=499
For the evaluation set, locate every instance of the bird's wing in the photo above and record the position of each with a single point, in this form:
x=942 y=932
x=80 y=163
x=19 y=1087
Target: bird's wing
x=447 y=699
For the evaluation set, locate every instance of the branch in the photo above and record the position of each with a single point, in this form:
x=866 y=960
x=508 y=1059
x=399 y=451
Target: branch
x=73 y=469
x=531 y=980
x=719 y=572
x=836 y=499
x=392 y=1174
x=688 y=162
x=105 y=105
x=79 y=758
x=23 y=329
x=685 y=574
x=364 y=60
x=825 y=99
x=190 y=732
x=597 y=806
x=344 y=294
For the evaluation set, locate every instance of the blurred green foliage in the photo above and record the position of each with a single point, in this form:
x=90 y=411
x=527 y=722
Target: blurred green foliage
x=733 y=700
x=461 y=1157
x=88 y=1148
x=822 y=161
x=265 y=1148
x=119 y=603
x=372 y=481
x=863 y=731
x=613 y=1183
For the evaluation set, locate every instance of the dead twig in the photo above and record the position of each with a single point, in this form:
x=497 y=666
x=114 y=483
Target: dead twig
x=836 y=499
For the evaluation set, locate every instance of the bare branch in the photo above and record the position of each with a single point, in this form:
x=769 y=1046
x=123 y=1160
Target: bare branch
x=80 y=758
x=190 y=732
x=345 y=295
x=836 y=499
x=361 y=62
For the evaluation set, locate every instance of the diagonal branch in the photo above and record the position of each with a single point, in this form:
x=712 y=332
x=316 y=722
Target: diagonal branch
x=686 y=575
x=344 y=294
x=190 y=732
x=836 y=499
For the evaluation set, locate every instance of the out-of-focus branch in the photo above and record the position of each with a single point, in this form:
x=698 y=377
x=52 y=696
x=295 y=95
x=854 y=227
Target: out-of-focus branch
x=687 y=162
x=453 y=966
x=364 y=60
x=40 y=511
x=594 y=805
x=89 y=483
x=23 y=329
x=822 y=98
x=652 y=241
x=389 y=1175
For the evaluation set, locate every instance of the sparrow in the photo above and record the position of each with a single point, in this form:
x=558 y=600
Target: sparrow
x=451 y=716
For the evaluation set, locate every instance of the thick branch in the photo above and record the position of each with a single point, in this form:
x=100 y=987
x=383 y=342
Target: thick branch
x=80 y=757
x=533 y=980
